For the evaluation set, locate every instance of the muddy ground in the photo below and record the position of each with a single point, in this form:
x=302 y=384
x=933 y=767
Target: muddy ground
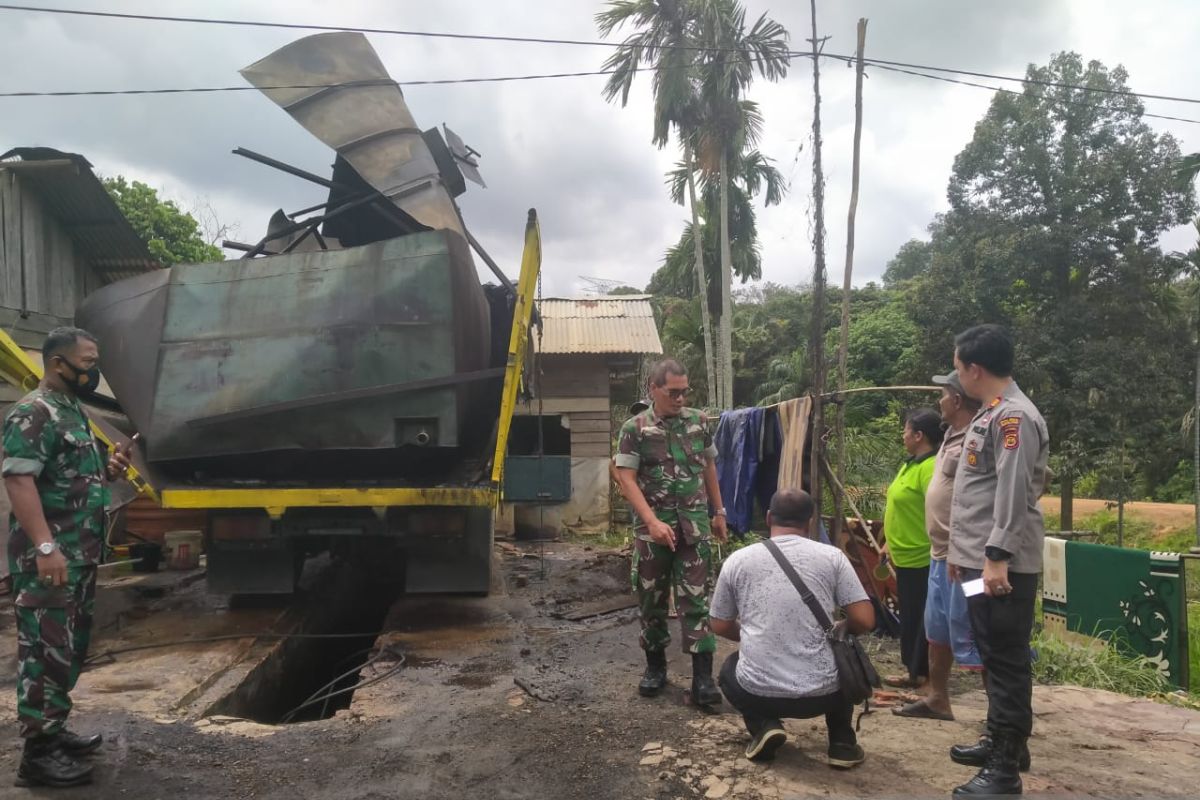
x=530 y=693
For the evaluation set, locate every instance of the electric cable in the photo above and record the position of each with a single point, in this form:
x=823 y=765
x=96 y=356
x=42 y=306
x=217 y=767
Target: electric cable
x=360 y=685
x=572 y=42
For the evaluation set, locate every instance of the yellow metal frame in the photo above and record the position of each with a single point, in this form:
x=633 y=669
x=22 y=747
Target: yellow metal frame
x=277 y=501
x=518 y=341
x=21 y=371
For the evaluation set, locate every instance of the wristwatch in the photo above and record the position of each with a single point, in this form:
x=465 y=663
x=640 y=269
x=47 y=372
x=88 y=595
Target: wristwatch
x=46 y=548
x=720 y=512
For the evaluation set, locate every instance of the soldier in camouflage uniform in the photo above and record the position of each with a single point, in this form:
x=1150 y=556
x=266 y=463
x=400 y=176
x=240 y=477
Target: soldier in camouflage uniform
x=54 y=474
x=666 y=468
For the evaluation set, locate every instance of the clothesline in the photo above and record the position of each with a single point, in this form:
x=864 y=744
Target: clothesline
x=862 y=389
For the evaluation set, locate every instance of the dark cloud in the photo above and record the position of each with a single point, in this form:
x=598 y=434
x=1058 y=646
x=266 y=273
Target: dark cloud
x=588 y=166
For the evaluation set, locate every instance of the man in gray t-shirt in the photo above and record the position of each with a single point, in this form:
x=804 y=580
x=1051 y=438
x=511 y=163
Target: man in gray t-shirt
x=785 y=668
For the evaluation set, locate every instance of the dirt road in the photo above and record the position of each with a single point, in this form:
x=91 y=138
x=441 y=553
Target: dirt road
x=1165 y=516
x=530 y=693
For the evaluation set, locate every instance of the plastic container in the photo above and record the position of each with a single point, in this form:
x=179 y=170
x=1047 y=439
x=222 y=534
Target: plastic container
x=121 y=553
x=183 y=549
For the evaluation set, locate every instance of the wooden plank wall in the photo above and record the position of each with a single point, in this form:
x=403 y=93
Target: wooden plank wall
x=591 y=434
x=40 y=272
x=579 y=385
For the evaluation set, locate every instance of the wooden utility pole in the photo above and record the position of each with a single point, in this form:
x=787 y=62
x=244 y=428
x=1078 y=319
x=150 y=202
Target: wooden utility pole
x=817 y=338
x=844 y=341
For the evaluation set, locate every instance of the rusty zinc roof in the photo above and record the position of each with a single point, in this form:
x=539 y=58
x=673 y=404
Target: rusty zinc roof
x=607 y=324
x=74 y=195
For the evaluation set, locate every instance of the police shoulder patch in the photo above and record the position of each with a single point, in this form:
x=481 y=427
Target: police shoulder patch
x=1010 y=430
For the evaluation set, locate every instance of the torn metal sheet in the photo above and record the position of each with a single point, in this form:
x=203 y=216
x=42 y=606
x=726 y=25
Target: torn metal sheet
x=367 y=122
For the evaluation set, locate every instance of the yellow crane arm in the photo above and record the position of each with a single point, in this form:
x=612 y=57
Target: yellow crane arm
x=21 y=371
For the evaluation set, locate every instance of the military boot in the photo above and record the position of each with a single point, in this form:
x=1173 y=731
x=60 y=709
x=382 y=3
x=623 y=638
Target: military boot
x=78 y=745
x=45 y=763
x=704 y=691
x=654 y=679
x=975 y=755
x=1000 y=774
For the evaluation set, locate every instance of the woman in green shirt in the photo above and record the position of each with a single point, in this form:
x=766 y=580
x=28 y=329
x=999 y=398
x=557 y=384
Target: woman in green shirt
x=907 y=542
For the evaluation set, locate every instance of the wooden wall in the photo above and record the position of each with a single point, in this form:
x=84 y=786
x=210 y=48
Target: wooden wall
x=42 y=277
x=577 y=386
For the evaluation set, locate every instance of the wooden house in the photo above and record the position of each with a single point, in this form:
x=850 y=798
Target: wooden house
x=585 y=345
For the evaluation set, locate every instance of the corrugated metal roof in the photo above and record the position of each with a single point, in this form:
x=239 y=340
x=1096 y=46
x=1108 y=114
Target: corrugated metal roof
x=74 y=195
x=618 y=324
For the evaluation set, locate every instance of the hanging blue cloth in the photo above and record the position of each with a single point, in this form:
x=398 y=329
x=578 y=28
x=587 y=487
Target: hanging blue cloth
x=738 y=440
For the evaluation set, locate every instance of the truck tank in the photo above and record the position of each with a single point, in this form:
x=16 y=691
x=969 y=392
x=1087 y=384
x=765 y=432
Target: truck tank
x=347 y=364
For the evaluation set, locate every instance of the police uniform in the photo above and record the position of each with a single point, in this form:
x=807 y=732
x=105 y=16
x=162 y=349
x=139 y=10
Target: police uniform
x=995 y=514
x=670 y=454
x=47 y=437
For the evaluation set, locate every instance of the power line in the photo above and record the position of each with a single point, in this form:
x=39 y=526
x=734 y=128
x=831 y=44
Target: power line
x=574 y=42
x=1010 y=91
x=491 y=79
x=214 y=89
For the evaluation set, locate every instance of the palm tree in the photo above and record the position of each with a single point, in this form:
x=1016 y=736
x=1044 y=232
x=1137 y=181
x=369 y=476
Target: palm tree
x=727 y=125
x=665 y=38
x=752 y=173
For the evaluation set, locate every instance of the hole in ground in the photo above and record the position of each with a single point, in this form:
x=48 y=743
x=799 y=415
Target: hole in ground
x=304 y=679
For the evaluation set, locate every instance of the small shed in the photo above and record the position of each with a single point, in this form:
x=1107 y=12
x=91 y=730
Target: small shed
x=585 y=346
x=61 y=238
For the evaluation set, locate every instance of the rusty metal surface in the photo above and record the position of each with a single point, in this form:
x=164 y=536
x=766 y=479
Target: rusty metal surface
x=205 y=340
x=368 y=124
x=621 y=324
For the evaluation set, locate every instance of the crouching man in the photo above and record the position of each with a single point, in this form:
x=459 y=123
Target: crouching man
x=785 y=668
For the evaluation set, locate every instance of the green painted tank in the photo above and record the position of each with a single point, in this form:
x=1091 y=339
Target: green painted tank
x=372 y=361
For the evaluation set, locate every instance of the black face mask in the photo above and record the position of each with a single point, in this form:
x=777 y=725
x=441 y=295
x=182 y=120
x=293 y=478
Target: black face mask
x=86 y=381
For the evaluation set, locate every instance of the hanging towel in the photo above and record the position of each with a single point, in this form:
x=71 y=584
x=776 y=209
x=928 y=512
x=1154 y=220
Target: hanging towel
x=793 y=422
x=738 y=441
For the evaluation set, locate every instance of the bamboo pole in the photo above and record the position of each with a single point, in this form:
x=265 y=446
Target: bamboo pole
x=816 y=338
x=844 y=339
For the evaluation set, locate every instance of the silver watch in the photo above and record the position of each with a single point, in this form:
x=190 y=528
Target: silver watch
x=46 y=548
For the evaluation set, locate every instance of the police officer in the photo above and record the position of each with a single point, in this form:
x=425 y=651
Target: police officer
x=54 y=474
x=996 y=532
x=666 y=469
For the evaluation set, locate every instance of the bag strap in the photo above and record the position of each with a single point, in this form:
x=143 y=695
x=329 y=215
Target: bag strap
x=809 y=599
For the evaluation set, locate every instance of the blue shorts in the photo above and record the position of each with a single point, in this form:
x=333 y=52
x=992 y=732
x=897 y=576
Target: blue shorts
x=947 y=622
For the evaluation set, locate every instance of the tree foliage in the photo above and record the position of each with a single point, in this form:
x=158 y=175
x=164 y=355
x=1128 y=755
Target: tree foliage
x=1057 y=204
x=172 y=235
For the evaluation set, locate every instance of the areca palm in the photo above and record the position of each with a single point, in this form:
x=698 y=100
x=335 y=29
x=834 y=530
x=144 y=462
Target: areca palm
x=751 y=173
x=664 y=39
x=727 y=125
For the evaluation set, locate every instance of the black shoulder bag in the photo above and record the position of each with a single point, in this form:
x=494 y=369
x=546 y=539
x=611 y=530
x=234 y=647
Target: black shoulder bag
x=857 y=676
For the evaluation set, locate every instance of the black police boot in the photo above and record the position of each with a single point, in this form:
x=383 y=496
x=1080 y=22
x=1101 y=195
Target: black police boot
x=76 y=745
x=1000 y=774
x=704 y=691
x=45 y=763
x=975 y=755
x=654 y=679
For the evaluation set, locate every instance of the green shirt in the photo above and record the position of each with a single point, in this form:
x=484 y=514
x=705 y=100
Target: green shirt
x=904 y=519
x=47 y=437
x=670 y=454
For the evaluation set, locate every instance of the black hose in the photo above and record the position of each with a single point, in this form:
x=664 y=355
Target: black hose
x=226 y=638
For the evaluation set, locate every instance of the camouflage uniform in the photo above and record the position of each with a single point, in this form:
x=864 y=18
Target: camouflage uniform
x=669 y=455
x=46 y=436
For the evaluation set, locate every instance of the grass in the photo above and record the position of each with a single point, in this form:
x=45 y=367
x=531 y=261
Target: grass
x=1193 y=615
x=1095 y=665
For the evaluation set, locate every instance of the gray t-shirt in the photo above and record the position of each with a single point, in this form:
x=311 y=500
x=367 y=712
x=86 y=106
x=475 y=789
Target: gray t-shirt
x=784 y=652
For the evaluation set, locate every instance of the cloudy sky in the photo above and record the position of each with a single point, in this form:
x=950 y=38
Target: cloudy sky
x=587 y=166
